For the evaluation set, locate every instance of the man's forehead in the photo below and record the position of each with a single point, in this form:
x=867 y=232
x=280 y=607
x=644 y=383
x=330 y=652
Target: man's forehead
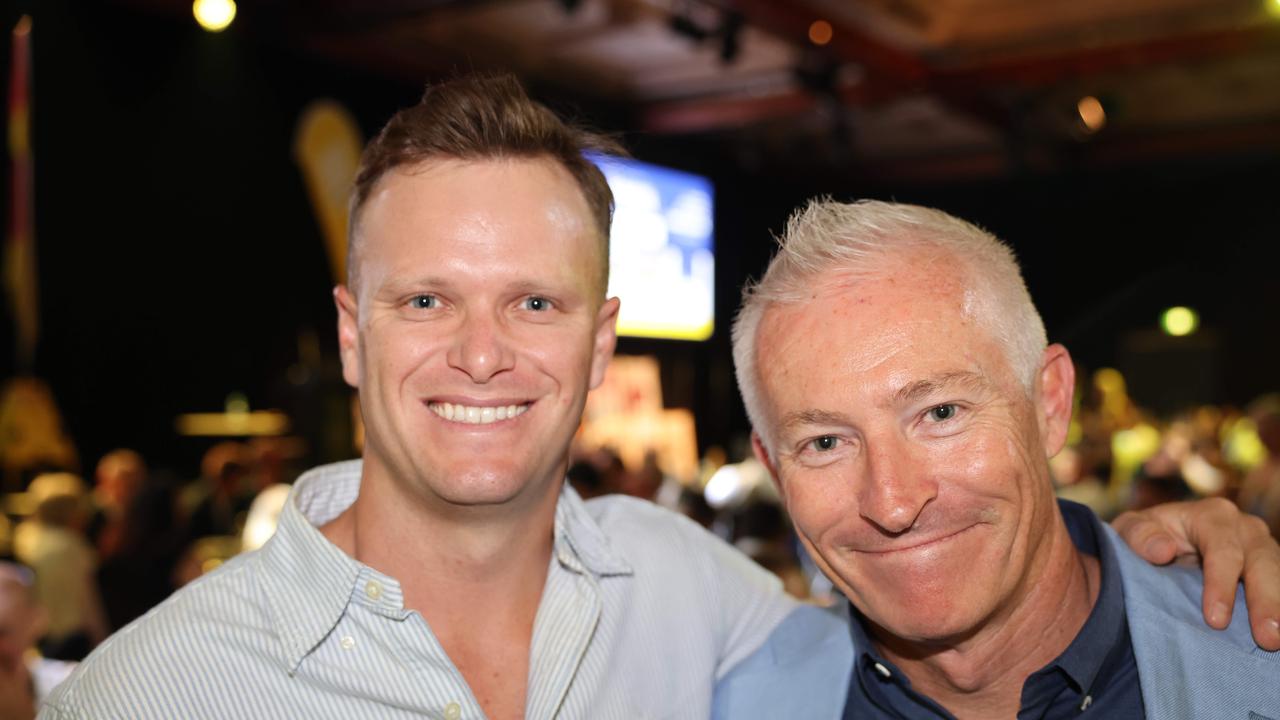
x=894 y=335
x=440 y=206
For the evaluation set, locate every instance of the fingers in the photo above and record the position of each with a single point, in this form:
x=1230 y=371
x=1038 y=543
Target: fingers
x=1262 y=582
x=1147 y=537
x=1231 y=545
x=1216 y=534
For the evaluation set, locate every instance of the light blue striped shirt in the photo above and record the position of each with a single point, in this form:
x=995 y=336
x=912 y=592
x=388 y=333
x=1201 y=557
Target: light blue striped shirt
x=642 y=612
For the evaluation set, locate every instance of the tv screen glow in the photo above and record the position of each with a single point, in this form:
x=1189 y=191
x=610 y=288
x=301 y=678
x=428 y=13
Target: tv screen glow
x=661 y=255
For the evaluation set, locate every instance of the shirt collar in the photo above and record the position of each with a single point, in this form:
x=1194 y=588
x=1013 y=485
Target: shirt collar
x=309 y=582
x=1106 y=630
x=580 y=541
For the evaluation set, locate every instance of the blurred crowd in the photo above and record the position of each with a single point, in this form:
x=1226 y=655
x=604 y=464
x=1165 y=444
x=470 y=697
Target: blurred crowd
x=80 y=559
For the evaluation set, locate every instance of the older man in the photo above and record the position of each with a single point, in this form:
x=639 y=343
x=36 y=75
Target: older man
x=906 y=402
x=451 y=574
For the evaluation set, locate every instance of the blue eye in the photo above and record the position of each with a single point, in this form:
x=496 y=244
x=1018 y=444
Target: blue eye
x=537 y=304
x=423 y=302
x=826 y=443
x=942 y=412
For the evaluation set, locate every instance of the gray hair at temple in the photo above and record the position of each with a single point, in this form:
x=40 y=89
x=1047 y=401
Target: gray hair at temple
x=861 y=239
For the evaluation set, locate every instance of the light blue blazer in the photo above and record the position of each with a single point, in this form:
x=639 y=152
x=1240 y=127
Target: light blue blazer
x=1186 y=669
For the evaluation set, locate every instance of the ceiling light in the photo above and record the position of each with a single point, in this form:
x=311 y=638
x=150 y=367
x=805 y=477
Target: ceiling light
x=1179 y=321
x=214 y=15
x=1091 y=113
x=820 y=32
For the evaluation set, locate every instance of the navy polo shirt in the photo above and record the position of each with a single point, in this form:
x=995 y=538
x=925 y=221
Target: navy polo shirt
x=1095 y=675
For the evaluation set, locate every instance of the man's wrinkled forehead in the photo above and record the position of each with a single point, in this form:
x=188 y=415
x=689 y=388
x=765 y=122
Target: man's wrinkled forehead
x=853 y=323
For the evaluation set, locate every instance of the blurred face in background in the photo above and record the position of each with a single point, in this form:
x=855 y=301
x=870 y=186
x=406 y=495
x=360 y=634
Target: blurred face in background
x=21 y=622
x=119 y=476
x=475 y=328
x=909 y=455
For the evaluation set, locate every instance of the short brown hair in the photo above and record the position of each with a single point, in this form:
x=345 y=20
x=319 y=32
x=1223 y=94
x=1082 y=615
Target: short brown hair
x=479 y=117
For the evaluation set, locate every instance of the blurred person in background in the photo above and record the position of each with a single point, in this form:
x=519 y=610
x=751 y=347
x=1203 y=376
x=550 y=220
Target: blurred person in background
x=119 y=476
x=585 y=479
x=26 y=677
x=53 y=544
x=216 y=502
x=1260 y=491
x=135 y=568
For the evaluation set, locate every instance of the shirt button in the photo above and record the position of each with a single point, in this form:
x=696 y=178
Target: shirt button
x=452 y=711
x=373 y=589
x=347 y=642
x=884 y=671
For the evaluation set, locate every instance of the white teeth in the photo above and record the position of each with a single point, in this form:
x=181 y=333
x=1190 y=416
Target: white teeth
x=476 y=415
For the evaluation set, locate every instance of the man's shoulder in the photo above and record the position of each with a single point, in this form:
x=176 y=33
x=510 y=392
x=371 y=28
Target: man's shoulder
x=1186 y=668
x=1167 y=599
x=203 y=634
x=802 y=670
x=640 y=530
x=627 y=512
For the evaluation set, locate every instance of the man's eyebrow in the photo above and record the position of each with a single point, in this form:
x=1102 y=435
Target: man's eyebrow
x=812 y=417
x=913 y=392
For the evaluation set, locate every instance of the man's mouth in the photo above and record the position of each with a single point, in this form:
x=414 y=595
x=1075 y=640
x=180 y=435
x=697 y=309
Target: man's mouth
x=918 y=544
x=477 y=415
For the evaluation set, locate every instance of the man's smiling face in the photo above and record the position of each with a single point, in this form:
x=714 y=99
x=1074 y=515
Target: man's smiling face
x=910 y=457
x=477 y=327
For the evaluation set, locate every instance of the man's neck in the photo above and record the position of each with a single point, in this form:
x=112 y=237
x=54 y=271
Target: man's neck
x=434 y=551
x=475 y=575
x=982 y=675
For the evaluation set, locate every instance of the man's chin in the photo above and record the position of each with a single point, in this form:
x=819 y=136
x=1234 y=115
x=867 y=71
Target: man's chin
x=489 y=486
x=922 y=612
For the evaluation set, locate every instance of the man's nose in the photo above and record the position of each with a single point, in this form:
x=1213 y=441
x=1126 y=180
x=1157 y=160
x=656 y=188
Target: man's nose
x=482 y=348
x=895 y=488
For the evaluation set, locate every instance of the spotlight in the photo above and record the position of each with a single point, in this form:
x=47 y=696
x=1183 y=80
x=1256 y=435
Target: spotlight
x=214 y=15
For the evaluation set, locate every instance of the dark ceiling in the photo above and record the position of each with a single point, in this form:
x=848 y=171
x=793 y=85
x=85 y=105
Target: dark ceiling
x=913 y=90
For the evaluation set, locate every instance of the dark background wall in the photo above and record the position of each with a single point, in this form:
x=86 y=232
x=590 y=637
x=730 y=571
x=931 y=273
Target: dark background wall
x=179 y=259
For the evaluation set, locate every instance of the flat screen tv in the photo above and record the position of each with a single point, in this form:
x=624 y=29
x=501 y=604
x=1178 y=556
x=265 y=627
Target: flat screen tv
x=661 y=256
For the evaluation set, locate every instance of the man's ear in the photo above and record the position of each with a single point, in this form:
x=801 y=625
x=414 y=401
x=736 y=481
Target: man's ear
x=762 y=454
x=606 y=340
x=1056 y=387
x=348 y=335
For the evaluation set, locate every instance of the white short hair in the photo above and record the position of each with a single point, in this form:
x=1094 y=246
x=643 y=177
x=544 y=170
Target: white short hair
x=865 y=237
